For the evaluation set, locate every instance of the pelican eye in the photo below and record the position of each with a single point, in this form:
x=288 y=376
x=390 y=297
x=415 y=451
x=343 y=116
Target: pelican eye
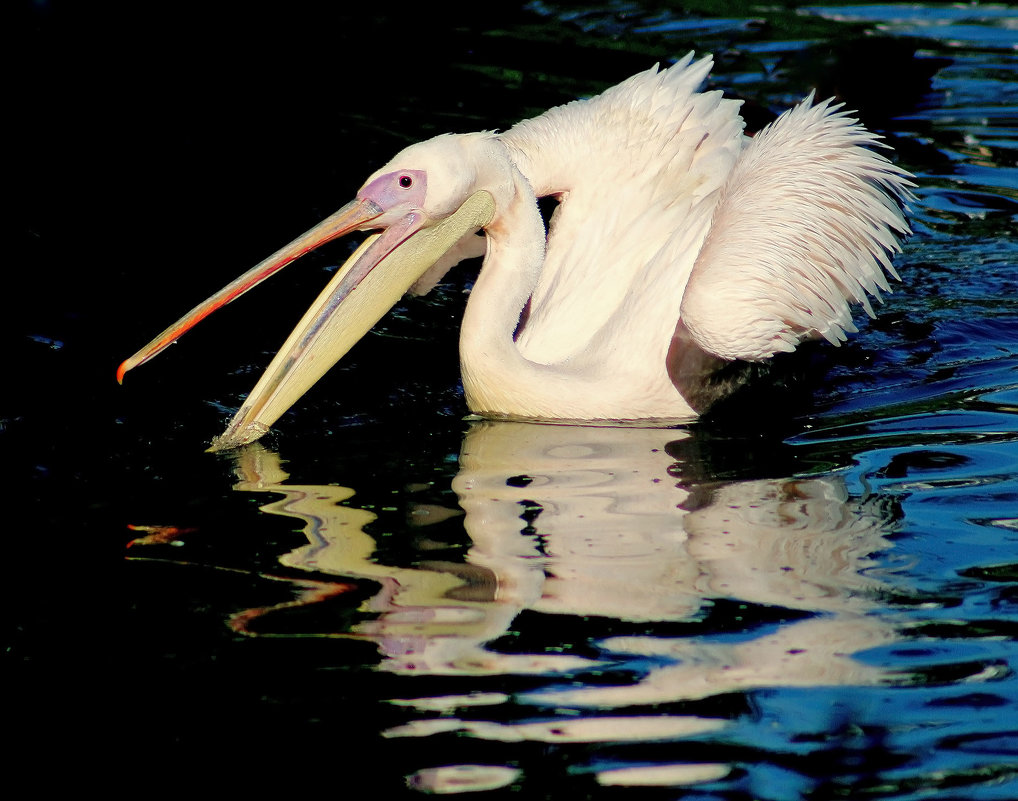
x=405 y=181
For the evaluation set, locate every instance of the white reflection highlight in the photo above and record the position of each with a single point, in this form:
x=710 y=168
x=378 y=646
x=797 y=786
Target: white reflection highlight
x=454 y=779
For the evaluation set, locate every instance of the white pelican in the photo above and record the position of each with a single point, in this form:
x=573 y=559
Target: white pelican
x=679 y=245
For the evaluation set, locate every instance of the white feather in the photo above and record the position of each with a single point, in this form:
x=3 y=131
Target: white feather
x=806 y=224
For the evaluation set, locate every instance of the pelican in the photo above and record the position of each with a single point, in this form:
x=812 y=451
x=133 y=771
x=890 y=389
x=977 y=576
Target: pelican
x=679 y=245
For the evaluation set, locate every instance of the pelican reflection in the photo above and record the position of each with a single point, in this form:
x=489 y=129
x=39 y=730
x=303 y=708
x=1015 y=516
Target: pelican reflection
x=611 y=539
x=614 y=523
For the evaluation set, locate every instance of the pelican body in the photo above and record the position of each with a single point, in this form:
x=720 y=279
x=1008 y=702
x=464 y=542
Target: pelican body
x=679 y=245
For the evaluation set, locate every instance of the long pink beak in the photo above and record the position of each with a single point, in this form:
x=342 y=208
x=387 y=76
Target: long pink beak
x=406 y=248
x=353 y=216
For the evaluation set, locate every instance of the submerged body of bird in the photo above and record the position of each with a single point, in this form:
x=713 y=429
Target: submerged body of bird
x=679 y=245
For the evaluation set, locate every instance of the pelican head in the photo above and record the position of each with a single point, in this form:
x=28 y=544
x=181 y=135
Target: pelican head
x=424 y=201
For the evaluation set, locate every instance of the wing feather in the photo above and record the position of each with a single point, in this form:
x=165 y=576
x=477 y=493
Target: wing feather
x=635 y=168
x=806 y=225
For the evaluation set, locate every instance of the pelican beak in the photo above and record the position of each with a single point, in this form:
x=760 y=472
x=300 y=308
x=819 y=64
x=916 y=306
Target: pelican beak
x=354 y=215
x=370 y=283
x=349 y=306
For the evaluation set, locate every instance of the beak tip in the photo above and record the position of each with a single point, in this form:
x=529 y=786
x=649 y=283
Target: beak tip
x=121 y=371
x=241 y=431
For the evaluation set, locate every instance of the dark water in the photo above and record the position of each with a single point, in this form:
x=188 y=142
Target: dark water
x=812 y=594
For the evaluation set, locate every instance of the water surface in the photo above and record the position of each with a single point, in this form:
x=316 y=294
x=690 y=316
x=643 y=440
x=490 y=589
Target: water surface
x=810 y=594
